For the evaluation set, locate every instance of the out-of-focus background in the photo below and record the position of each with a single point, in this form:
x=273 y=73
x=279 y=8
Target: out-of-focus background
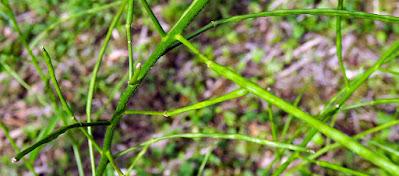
x=292 y=56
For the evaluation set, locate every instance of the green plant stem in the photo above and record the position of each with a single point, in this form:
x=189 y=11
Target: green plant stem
x=27 y=163
x=57 y=88
x=334 y=105
x=386 y=148
x=65 y=106
x=338 y=168
x=272 y=123
x=137 y=158
x=154 y=19
x=178 y=28
x=229 y=96
x=113 y=163
x=204 y=161
x=357 y=136
x=93 y=79
x=128 y=27
x=339 y=43
x=338 y=136
x=62 y=20
x=238 y=137
x=78 y=159
x=54 y=135
x=289 y=12
x=371 y=103
x=35 y=62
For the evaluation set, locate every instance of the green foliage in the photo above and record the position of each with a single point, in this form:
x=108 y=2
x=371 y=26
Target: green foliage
x=201 y=113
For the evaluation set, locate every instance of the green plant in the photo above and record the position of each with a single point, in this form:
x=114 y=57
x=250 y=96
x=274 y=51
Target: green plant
x=173 y=38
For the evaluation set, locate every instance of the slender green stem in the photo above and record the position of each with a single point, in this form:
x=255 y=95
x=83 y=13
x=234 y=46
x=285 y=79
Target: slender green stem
x=113 y=163
x=386 y=148
x=92 y=83
x=54 y=135
x=234 y=136
x=372 y=103
x=35 y=62
x=78 y=160
x=62 y=20
x=65 y=106
x=168 y=40
x=204 y=161
x=334 y=105
x=57 y=88
x=288 y=12
x=15 y=75
x=154 y=19
x=272 y=123
x=339 y=168
x=357 y=136
x=229 y=96
x=137 y=158
x=6 y=132
x=339 y=43
x=128 y=27
x=338 y=136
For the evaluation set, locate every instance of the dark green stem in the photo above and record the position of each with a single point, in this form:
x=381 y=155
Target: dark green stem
x=54 y=135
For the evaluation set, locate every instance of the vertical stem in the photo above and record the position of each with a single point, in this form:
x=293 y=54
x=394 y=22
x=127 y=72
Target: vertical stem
x=192 y=11
x=339 y=44
x=128 y=26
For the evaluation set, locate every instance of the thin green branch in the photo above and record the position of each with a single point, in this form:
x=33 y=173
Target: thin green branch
x=338 y=136
x=113 y=163
x=229 y=96
x=92 y=83
x=336 y=167
x=64 y=105
x=339 y=43
x=289 y=12
x=154 y=19
x=128 y=28
x=136 y=159
x=6 y=132
x=363 y=134
x=166 y=41
x=239 y=137
x=204 y=161
x=78 y=160
x=272 y=123
x=334 y=105
x=371 y=103
x=57 y=88
x=385 y=147
x=54 y=136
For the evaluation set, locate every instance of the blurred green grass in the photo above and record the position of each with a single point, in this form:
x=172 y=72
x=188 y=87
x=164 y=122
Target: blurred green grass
x=283 y=53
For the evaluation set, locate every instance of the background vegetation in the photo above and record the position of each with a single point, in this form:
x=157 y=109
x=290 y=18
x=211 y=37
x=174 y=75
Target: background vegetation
x=294 y=57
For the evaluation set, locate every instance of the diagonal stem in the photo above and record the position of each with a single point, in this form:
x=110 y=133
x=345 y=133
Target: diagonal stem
x=338 y=136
